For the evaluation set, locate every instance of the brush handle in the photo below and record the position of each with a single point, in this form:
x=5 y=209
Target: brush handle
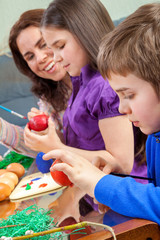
x=13 y=112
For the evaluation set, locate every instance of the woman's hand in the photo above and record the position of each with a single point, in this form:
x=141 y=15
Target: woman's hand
x=43 y=141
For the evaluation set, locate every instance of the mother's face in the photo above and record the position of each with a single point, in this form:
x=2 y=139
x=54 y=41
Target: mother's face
x=37 y=55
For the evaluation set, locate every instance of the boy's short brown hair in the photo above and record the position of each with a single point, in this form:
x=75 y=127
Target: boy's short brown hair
x=134 y=47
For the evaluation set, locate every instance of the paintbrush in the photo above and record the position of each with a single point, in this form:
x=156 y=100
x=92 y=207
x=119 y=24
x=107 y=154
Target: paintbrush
x=133 y=176
x=13 y=112
x=70 y=227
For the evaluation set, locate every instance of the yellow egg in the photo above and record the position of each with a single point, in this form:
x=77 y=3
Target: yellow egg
x=2 y=171
x=7 y=208
x=7 y=181
x=16 y=168
x=5 y=191
x=12 y=176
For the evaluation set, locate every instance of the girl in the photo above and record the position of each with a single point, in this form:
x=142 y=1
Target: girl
x=135 y=78
x=92 y=125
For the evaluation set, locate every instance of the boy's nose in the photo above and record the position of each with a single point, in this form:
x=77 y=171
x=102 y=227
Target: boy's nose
x=124 y=108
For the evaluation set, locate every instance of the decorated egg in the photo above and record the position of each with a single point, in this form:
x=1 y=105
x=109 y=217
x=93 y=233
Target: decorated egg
x=38 y=122
x=43 y=165
x=2 y=171
x=8 y=182
x=7 y=208
x=60 y=177
x=5 y=191
x=12 y=176
x=16 y=168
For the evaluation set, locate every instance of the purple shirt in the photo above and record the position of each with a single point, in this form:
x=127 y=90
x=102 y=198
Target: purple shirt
x=92 y=99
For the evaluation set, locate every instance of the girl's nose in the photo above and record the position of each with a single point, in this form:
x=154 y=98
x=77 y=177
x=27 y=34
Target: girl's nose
x=57 y=57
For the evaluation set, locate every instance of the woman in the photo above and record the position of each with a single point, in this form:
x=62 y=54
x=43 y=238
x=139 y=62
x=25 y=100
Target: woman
x=46 y=84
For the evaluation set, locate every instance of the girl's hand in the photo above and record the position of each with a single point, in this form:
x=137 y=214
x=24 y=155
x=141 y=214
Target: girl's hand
x=34 y=111
x=79 y=170
x=42 y=141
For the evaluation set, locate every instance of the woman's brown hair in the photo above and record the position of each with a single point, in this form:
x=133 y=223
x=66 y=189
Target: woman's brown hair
x=55 y=93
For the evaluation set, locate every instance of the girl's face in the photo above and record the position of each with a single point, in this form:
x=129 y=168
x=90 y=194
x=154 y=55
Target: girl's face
x=38 y=56
x=139 y=101
x=67 y=49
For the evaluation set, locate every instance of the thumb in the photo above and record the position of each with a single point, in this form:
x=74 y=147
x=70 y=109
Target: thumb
x=51 y=124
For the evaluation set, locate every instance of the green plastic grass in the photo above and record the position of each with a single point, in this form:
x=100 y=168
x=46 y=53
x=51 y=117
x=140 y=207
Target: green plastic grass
x=12 y=157
x=34 y=218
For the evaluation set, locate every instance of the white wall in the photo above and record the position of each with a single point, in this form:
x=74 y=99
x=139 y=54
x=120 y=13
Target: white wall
x=10 y=11
x=122 y=8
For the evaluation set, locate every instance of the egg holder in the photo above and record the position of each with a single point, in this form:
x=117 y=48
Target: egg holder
x=34 y=185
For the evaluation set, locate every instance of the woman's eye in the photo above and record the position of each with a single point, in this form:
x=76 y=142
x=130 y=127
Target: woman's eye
x=43 y=45
x=29 y=57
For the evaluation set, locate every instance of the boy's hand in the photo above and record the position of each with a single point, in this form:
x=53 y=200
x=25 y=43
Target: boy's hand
x=79 y=170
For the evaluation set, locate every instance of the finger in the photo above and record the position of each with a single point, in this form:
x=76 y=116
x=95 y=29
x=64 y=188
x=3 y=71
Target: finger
x=99 y=162
x=64 y=156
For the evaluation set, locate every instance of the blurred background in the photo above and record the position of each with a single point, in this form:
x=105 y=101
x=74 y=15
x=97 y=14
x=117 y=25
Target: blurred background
x=10 y=10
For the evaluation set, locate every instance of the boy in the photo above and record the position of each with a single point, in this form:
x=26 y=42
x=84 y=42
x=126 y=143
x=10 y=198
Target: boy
x=129 y=57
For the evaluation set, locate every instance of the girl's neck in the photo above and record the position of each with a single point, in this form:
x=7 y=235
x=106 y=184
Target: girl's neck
x=67 y=81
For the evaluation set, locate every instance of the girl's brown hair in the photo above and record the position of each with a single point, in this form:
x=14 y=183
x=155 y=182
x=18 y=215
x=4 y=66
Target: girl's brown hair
x=87 y=20
x=55 y=93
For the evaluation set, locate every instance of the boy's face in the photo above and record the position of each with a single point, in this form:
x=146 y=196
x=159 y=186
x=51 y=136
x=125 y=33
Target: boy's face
x=138 y=100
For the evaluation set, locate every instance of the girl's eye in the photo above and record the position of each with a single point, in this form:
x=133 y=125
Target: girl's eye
x=131 y=96
x=62 y=46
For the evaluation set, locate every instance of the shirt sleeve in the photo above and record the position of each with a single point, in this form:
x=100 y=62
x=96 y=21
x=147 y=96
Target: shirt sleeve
x=11 y=136
x=103 y=102
x=129 y=198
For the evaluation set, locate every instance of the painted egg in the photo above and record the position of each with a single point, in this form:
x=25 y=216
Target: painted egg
x=7 y=181
x=38 y=122
x=60 y=177
x=5 y=191
x=7 y=208
x=16 y=168
x=43 y=165
x=12 y=176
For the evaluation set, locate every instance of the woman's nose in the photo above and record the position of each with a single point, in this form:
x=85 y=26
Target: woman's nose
x=41 y=57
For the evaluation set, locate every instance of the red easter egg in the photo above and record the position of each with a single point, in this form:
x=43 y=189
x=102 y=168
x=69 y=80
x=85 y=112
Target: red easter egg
x=60 y=177
x=38 y=123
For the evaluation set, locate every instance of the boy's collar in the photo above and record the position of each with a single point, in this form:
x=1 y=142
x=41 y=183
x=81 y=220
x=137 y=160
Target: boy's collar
x=156 y=134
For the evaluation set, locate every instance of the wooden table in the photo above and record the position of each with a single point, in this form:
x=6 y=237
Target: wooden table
x=132 y=229
x=135 y=229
